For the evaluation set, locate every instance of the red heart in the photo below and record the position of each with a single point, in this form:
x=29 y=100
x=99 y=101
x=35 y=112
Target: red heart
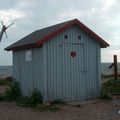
x=73 y=54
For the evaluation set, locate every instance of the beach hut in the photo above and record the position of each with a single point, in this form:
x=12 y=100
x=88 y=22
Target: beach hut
x=62 y=61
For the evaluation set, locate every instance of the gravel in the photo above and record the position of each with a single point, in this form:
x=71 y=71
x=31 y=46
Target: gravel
x=99 y=110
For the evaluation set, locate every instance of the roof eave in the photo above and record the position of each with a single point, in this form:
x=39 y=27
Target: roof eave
x=22 y=47
x=105 y=45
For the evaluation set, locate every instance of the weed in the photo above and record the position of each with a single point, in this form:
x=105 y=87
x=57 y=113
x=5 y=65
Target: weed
x=13 y=92
x=105 y=96
x=36 y=97
x=32 y=101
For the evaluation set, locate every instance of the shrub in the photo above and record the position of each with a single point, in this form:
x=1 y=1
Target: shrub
x=13 y=92
x=6 y=82
x=32 y=101
x=105 y=95
x=36 y=97
x=112 y=87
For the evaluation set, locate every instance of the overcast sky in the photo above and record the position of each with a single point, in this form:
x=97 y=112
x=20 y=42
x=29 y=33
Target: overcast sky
x=102 y=16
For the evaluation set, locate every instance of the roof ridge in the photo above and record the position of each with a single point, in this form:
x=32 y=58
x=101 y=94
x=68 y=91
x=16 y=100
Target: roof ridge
x=56 y=24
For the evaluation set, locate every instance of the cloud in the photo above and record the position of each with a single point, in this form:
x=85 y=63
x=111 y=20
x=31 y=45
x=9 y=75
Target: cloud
x=107 y=55
x=70 y=14
x=10 y=15
x=107 y=4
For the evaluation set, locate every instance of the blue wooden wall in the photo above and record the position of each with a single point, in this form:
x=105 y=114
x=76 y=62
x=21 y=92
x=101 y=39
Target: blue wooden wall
x=56 y=73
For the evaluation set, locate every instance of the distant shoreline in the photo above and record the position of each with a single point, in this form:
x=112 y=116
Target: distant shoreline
x=7 y=70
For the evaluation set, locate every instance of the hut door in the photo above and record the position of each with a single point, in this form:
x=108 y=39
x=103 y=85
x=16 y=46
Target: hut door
x=65 y=72
x=74 y=71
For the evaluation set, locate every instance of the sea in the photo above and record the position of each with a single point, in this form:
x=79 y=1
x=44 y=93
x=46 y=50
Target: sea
x=105 y=70
x=8 y=70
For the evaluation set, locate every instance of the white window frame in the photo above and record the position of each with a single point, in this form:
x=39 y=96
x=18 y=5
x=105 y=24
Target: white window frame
x=28 y=55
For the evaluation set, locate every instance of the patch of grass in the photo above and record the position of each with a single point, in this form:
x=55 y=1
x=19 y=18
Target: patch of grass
x=32 y=101
x=36 y=97
x=38 y=105
x=13 y=92
x=25 y=102
x=112 y=87
x=6 y=81
x=105 y=96
x=35 y=100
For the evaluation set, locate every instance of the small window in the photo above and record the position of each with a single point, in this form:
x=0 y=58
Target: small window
x=28 y=55
x=66 y=36
x=79 y=37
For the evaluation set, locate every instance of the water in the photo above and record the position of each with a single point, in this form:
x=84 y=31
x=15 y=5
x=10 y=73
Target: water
x=106 y=71
x=5 y=71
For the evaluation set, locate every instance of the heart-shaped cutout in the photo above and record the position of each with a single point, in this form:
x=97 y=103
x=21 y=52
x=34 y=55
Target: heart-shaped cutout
x=73 y=54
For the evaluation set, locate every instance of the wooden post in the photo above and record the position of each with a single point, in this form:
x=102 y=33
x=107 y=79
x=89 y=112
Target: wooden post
x=115 y=67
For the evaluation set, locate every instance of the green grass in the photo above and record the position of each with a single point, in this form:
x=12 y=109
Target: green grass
x=32 y=101
x=12 y=92
x=28 y=102
x=25 y=102
x=35 y=100
x=112 y=87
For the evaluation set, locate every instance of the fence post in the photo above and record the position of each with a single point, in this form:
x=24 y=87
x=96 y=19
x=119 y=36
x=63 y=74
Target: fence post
x=115 y=67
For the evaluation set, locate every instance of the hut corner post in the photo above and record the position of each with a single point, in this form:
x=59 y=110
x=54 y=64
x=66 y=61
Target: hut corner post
x=115 y=67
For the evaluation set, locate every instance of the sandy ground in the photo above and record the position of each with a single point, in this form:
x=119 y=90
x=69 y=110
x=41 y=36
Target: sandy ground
x=99 y=110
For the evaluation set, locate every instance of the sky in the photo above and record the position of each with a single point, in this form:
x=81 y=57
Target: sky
x=101 y=16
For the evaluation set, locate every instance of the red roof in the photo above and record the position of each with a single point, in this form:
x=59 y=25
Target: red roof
x=39 y=37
